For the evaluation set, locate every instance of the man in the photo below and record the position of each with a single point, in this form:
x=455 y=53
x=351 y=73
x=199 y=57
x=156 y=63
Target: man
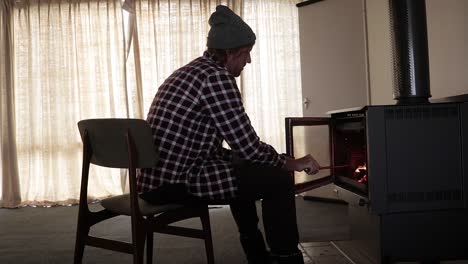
x=197 y=108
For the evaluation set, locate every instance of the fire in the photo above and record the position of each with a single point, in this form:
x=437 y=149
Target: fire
x=361 y=173
x=360 y=168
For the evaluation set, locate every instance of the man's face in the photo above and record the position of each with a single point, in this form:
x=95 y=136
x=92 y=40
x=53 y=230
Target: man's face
x=236 y=60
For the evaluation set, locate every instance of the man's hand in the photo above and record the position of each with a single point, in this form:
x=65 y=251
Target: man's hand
x=307 y=164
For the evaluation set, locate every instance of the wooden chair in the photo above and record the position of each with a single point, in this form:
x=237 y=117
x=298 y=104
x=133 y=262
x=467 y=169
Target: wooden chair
x=128 y=143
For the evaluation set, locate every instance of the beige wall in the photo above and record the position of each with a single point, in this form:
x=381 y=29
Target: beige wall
x=379 y=52
x=448 y=49
x=447 y=22
x=448 y=46
x=333 y=57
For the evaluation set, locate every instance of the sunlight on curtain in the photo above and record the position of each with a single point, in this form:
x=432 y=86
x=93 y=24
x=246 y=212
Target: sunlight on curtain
x=169 y=35
x=69 y=58
x=172 y=33
x=271 y=85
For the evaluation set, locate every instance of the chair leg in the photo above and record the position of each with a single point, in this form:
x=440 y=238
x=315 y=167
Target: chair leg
x=81 y=234
x=149 y=247
x=205 y=220
x=139 y=247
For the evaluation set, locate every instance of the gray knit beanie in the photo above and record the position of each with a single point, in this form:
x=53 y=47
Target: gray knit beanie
x=228 y=30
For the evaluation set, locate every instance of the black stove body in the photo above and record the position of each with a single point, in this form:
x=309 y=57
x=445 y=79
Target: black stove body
x=417 y=179
x=403 y=170
x=416 y=151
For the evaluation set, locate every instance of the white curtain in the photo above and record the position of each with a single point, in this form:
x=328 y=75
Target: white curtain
x=271 y=85
x=70 y=60
x=69 y=65
x=9 y=182
x=168 y=35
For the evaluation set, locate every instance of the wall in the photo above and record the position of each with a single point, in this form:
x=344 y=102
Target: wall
x=448 y=46
x=448 y=54
x=333 y=57
x=379 y=52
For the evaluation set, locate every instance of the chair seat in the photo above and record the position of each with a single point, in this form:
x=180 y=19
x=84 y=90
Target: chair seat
x=121 y=204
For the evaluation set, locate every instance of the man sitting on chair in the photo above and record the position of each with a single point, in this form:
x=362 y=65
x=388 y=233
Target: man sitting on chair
x=197 y=108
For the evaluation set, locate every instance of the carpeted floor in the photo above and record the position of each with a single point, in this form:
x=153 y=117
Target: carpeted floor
x=47 y=235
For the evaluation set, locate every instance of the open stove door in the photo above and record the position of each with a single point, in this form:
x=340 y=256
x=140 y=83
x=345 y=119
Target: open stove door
x=291 y=123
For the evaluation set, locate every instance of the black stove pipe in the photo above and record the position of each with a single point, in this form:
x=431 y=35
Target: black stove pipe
x=410 y=51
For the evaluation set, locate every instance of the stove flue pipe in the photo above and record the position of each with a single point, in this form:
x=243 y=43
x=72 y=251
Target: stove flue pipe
x=410 y=51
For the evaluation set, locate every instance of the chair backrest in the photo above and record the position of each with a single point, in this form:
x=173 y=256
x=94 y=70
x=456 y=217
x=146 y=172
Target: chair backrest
x=107 y=138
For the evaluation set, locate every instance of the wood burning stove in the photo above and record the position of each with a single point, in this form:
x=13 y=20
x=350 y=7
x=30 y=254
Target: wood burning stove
x=402 y=169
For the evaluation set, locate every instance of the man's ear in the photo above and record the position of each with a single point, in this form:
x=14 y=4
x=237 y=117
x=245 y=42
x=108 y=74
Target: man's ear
x=230 y=52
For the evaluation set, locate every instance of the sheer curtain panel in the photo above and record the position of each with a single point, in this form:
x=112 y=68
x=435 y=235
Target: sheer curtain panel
x=9 y=182
x=167 y=35
x=69 y=65
x=271 y=84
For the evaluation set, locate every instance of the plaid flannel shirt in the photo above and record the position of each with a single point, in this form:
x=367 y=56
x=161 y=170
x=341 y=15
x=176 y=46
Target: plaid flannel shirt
x=194 y=110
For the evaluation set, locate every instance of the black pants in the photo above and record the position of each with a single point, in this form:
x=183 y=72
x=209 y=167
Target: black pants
x=273 y=186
